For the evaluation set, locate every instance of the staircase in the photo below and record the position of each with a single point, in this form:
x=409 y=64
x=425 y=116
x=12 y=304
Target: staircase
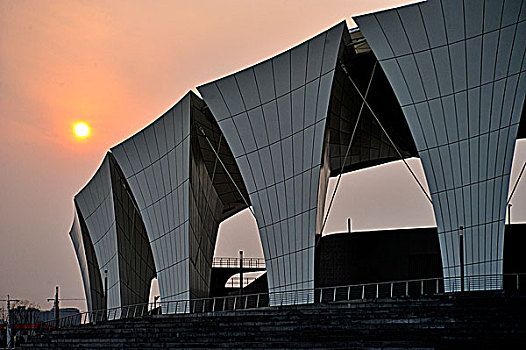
x=471 y=320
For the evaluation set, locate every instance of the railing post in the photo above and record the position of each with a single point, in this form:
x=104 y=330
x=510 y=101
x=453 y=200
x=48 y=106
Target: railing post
x=517 y=282
x=321 y=292
x=421 y=287
x=437 y=281
x=391 y=290
x=377 y=287
x=363 y=291
x=257 y=302
x=406 y=288
x=246 y=301
x=214 y=305
x=348 y=293
x=334 y=295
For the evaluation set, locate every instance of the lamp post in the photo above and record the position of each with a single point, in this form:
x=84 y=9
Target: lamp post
x=57 y=309
x=105 y=292
x=461 y=247
x=240 y=272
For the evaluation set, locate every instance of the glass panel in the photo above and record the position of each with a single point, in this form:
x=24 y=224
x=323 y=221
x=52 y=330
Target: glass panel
x=434 y=22
x=246 y=81
x=257 y=123
x=397 y=81
x=489 y=51
x=298 y=59
x=281 y=64
x=151 y=142
x=324 y=93
x=426 y=68
x=277 y=161
x=443 y=70
x=454 y=20
x=496 y=105
x=231 y=95
x=375 y=36
x=393 y=30
x=284 y=115
x=265 y=81
x=436 y=113
x=474 y=13
x=332 y=46
x=315 y=56
x=298 y=105
x=518 y=47
x=422 y=110
x=270 y=113
x=414 y=27
x=288 y=158
x=214 y=100
x=412 y=77
x=311 y=99
x=244 y=129
x=492 y=15
x=457 y=54
x=507 y=35
x=414 y=125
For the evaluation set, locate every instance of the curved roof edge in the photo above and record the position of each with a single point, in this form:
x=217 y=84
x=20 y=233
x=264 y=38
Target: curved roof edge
x=344 y=22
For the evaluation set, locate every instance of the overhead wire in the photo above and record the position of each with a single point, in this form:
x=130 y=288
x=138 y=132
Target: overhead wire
x=386 y=134
x=200 y=128
x=516 y=183
x=348 y=150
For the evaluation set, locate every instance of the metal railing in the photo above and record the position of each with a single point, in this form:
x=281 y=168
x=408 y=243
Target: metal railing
x=248 y=263
x=235 y=281
x=366 y=291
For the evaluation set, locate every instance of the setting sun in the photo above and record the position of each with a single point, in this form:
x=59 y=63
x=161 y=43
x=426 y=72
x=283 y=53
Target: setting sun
x=81 y=129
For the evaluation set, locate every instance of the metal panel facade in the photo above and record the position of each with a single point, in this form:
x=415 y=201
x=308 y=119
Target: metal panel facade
x=155 y=162
x=95 y=202
x=114 y=228
x=181 y=208
x=273 y=116
x=457 y=68
x=89 y=269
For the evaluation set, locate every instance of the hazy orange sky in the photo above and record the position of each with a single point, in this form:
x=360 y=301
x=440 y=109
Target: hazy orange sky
x=118 y=65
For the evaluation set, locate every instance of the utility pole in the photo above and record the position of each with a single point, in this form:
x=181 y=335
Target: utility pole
x=461 y=244
x=8 y=325
x=240 y=272
x=9 y=345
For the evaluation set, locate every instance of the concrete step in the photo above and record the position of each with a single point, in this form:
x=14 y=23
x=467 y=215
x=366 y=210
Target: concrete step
x=444 y=321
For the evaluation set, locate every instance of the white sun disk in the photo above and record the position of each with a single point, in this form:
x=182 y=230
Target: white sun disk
x=81 y=129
